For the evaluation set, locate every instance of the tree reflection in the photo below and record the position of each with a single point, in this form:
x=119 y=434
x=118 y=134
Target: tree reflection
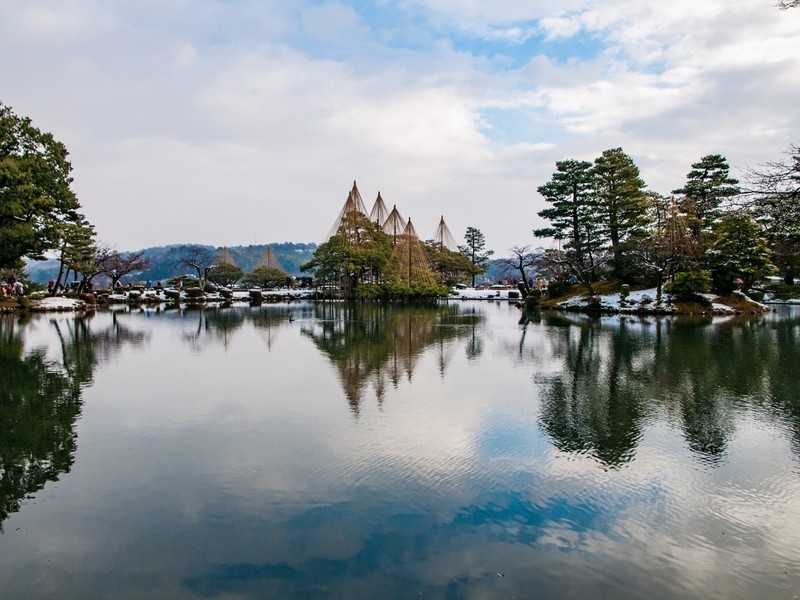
x=40 y=399
x=377 y=344
x=618 y=374
x=593 y=405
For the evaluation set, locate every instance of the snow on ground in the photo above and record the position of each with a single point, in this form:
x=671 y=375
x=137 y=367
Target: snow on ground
x=58 y=303
x=483 y=294
x=638 y=301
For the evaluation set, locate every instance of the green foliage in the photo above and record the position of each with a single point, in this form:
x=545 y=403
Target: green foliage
x=225 y=274
x=738 y=252
x=624 y=204
x=575 y=216
x=35 y=195
x=266 y=277
x=783 y=291
x=532 y=300
x=452 y=267
x=416 y=291
x=370 y=291
x=475 y=250
x=708 y=184
x=687 y=285
x=23 y=301
x=352 y=263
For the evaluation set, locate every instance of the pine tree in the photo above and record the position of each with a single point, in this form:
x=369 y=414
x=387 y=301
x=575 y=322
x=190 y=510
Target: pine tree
x=739 y=251
x=474 y=250
x=623 y=202
x=574 y=216
x=708 y=185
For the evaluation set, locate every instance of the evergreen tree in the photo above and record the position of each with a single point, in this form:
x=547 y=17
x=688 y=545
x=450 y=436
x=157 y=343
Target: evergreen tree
x=574 y=216
x=623 y=203
x=474 y=250
x=35 y=194
x=266 y=277
x=452 y=267
x=341 y=260
x=225 y=274
x=708 y=185
x=78 y=251
x=738 y=251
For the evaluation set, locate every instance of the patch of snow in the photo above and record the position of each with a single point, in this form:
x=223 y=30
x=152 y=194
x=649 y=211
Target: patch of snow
x=636 y=302
x=500 y=293
x=59 y=303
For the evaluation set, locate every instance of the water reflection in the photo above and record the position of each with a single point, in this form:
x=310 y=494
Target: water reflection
x=244 y=467
x=617 y=374
x=40 y=397
x=377 y=345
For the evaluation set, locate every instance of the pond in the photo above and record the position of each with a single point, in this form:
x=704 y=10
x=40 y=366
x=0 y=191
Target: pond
x=322 y=450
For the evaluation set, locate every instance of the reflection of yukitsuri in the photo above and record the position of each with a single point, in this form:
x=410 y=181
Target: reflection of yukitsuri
x=376 y=344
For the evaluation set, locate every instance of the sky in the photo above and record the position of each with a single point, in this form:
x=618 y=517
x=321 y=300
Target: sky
x=236 y=122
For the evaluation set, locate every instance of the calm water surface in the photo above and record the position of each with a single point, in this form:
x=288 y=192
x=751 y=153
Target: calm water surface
x=459 y=451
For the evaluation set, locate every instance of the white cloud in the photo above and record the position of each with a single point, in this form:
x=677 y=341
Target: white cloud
x=273 y=109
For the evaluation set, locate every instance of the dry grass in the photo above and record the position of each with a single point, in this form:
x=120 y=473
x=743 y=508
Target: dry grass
x=742 y=303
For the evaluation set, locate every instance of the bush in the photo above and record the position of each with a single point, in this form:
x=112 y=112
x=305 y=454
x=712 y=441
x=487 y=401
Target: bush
x=368 y=291
x=532 y=299
x=783 y=291
x=23 y=301
x=689 y=284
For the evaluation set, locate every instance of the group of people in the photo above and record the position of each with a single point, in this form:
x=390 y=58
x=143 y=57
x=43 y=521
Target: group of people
x=12 y=288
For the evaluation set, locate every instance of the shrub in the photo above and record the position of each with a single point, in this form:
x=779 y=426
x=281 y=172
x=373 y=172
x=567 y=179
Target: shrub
x=689 y=284
x=532 y=300
x=368 y=291
x=783 y=291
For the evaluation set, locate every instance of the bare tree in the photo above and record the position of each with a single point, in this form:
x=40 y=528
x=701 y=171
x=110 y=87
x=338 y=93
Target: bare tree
x=670 y=244
x=198 y=258
x=520 y=261
x=117 y=265
x=786 y=4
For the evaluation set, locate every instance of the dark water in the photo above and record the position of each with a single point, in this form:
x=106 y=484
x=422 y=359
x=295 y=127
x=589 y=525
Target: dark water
x=321 y=451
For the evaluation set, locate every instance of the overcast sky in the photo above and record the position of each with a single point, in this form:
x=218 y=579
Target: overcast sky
x=230 y=122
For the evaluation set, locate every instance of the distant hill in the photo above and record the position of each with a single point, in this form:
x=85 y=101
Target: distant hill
x=166 y=260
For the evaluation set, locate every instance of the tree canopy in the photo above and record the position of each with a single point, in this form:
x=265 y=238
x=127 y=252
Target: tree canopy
x=475 y=250
x=35 y=195
x=710 y=229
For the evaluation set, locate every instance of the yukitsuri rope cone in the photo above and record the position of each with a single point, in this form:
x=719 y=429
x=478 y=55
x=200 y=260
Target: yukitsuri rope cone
x=350 y=220
x=409 y=262
x=379 y=213
x=269 y=260
x=225 y=258
x=395 y=225
x=443 y=238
